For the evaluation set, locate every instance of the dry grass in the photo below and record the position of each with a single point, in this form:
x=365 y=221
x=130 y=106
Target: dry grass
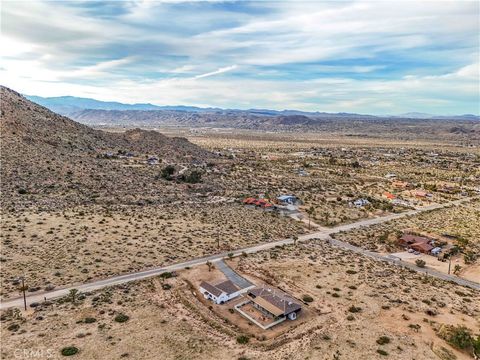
x=55 y=249
x=173 y=324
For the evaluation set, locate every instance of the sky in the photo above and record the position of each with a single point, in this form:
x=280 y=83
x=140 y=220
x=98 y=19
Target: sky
x=371 y=57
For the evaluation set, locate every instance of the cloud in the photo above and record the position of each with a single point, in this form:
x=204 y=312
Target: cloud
x=216 y=72
x=370 y=57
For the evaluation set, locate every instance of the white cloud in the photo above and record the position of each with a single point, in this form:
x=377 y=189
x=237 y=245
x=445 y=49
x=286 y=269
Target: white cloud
x=216 y=72
x=363 y=56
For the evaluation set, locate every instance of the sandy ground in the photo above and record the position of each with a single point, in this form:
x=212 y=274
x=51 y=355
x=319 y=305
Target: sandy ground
x=460 y=221
x=172 y=322
x=55 y=249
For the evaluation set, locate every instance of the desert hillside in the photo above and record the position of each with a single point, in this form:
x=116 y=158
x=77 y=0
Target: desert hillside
x=50 y=160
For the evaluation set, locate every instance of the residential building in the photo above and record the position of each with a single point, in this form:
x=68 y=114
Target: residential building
x=221 y=292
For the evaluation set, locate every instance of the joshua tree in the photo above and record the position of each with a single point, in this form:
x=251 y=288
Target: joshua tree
x=420 y=263
x=310 y=212
x=210 y=265
x=17 y=314
x=457 y=269
x=73 y=293
x=295 y=239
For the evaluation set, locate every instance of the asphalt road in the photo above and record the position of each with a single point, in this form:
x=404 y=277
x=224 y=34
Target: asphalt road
x=323 y=234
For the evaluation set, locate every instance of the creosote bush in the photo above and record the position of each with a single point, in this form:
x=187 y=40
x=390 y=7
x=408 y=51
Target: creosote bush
x=307 y=298
x=121 y=318
x=69 y=351
x=383 y=340
x=242 y=339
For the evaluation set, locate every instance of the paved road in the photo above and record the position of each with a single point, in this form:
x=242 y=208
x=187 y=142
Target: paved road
x=233 y=276
x=323 y=234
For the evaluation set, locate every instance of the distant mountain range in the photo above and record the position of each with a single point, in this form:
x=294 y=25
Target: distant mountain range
x=69 y=105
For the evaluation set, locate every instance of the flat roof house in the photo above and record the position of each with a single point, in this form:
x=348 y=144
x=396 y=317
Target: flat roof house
x=221 y=292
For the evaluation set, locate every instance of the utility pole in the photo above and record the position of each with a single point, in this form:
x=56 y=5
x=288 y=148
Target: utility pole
x=24 y=296
x=449 y=263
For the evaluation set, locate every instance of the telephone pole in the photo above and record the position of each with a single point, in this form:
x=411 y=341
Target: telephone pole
x=24 y=296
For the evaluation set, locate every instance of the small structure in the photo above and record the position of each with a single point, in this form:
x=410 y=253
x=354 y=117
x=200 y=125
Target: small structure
x=263 y=203
x=421 y=194
x=361 y=202
x=268 y=307
x=418 y=243
x=391 y=176
x=287 y=199
x=221 y=292
x=249 y=201
x=400 y=184
x=302 y=172
x=152 y=160
x=389 y=196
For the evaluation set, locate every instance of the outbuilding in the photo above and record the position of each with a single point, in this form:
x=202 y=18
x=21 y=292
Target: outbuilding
x=221 y=292
x=287 y=199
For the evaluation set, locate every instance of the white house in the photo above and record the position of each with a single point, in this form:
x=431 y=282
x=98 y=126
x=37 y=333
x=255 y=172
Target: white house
x=287 y=199
x=361 y=202
x=221 y=292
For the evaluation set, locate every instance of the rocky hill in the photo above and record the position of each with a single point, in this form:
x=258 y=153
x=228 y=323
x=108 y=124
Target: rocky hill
x=50 y=160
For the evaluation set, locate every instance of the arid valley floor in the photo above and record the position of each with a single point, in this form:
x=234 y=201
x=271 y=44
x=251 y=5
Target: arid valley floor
x=81 y=205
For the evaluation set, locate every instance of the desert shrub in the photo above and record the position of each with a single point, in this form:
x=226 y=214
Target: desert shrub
x=382 y=340
x=69 y=351
x=307 y=298
x=242 y=339
x=167 y=172
x=460 y=337
x=354 y=309
x=476 y=346
x=13 y=327
x=382 y=352
x=22 y=191
x=166 y=275
x=420 y=263
x=469 y=257
x=193 y=177
x=415 y=327
x=350 y=318
x=121 y=318
x=351 y=272
x=166 y=286
x=89 y=320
